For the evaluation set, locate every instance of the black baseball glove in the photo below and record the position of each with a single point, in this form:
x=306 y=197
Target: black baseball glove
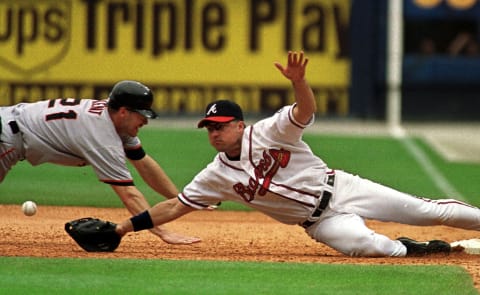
x=93 y=234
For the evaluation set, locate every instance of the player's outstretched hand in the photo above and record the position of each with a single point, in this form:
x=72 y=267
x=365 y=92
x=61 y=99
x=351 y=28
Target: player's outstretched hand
x=174 y=238
x=295 y=69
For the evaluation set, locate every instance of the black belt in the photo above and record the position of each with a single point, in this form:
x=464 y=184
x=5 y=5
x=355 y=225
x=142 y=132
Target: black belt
x=326 y=196
x=14 y=127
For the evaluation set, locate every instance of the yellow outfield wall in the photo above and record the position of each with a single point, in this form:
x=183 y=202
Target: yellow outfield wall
x=188 y=51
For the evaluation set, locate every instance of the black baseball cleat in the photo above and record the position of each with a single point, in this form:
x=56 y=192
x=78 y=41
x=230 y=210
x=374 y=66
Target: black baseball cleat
x=415 y=248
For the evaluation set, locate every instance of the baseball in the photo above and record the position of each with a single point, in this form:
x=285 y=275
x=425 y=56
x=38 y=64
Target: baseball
x=29 y=208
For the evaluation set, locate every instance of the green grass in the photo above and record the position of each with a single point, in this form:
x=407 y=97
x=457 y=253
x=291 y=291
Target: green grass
x=182 y=153
x=128 y=276
x=381 y=159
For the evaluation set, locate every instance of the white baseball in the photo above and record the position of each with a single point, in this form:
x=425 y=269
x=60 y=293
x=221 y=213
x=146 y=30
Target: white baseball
x=29 y=208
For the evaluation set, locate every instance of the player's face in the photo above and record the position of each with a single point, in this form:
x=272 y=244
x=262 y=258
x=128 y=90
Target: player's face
x=131 y=122
x=226 y=137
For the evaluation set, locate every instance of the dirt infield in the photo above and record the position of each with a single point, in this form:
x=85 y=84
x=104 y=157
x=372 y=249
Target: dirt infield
x=229 y=236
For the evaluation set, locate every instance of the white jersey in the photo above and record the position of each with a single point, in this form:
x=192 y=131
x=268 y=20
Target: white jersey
x=277 y=173
x=74 y=132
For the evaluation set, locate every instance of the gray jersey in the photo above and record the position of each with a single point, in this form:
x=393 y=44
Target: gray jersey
x=74 y=132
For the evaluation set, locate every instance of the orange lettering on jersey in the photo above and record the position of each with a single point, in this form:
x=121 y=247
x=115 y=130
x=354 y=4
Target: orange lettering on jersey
x=97 y=107
x=264 y=170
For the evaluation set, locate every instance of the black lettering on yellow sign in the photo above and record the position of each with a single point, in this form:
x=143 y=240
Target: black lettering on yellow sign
x=170 y=25
x=33 y=34
x=29 y=92
x=24 y=23
x=190 y=99
x=311 y=34
x=166 y=20
x=37 y=34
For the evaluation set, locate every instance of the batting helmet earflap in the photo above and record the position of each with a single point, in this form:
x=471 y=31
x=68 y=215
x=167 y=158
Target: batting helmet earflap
x=134 y=96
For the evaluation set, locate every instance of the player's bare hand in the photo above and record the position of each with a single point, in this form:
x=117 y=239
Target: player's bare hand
x=296 y=65
x=174 y=238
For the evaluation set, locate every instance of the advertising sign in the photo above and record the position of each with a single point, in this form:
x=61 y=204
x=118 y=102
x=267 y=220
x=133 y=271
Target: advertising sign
x=188 y=51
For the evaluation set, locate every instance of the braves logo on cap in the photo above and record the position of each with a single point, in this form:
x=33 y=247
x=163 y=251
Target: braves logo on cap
x=213 y=109
x=221 y=111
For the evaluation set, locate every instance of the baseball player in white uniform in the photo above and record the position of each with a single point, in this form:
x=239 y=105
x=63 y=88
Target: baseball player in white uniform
x=268 y=167
x=100 y=133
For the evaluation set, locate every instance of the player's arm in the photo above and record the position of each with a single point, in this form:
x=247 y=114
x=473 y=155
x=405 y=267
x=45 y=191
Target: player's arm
x=295 y=72
x=159 y=214
x=155 y=177
x=136 y=203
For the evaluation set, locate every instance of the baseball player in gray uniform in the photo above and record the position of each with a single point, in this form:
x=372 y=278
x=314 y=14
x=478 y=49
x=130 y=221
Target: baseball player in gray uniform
x=100 y=133
x=268 y=167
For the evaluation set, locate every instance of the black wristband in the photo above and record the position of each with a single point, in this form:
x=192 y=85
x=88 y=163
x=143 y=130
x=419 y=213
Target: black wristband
x=142 y=221
x=136 y=154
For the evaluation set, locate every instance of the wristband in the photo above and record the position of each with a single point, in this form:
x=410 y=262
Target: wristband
x=141 y=221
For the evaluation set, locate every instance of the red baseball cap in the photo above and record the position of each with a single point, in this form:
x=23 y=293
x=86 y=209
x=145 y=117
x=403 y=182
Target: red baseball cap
x=221 y=111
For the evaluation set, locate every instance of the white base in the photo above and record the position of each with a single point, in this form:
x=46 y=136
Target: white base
x=471 y=246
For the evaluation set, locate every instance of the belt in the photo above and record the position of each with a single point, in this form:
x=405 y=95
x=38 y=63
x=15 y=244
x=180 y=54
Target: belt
x=326 y=196
x=14 y=127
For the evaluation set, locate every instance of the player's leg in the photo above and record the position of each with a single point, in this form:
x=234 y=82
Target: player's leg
x=375 y=201
x=348 y=234
x=8 y=158
x=10 y=144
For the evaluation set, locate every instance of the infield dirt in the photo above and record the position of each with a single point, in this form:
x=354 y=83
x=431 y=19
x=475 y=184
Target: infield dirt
x=227 y=236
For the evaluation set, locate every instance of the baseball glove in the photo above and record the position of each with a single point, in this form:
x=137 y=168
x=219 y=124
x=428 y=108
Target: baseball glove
x=93 y=234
